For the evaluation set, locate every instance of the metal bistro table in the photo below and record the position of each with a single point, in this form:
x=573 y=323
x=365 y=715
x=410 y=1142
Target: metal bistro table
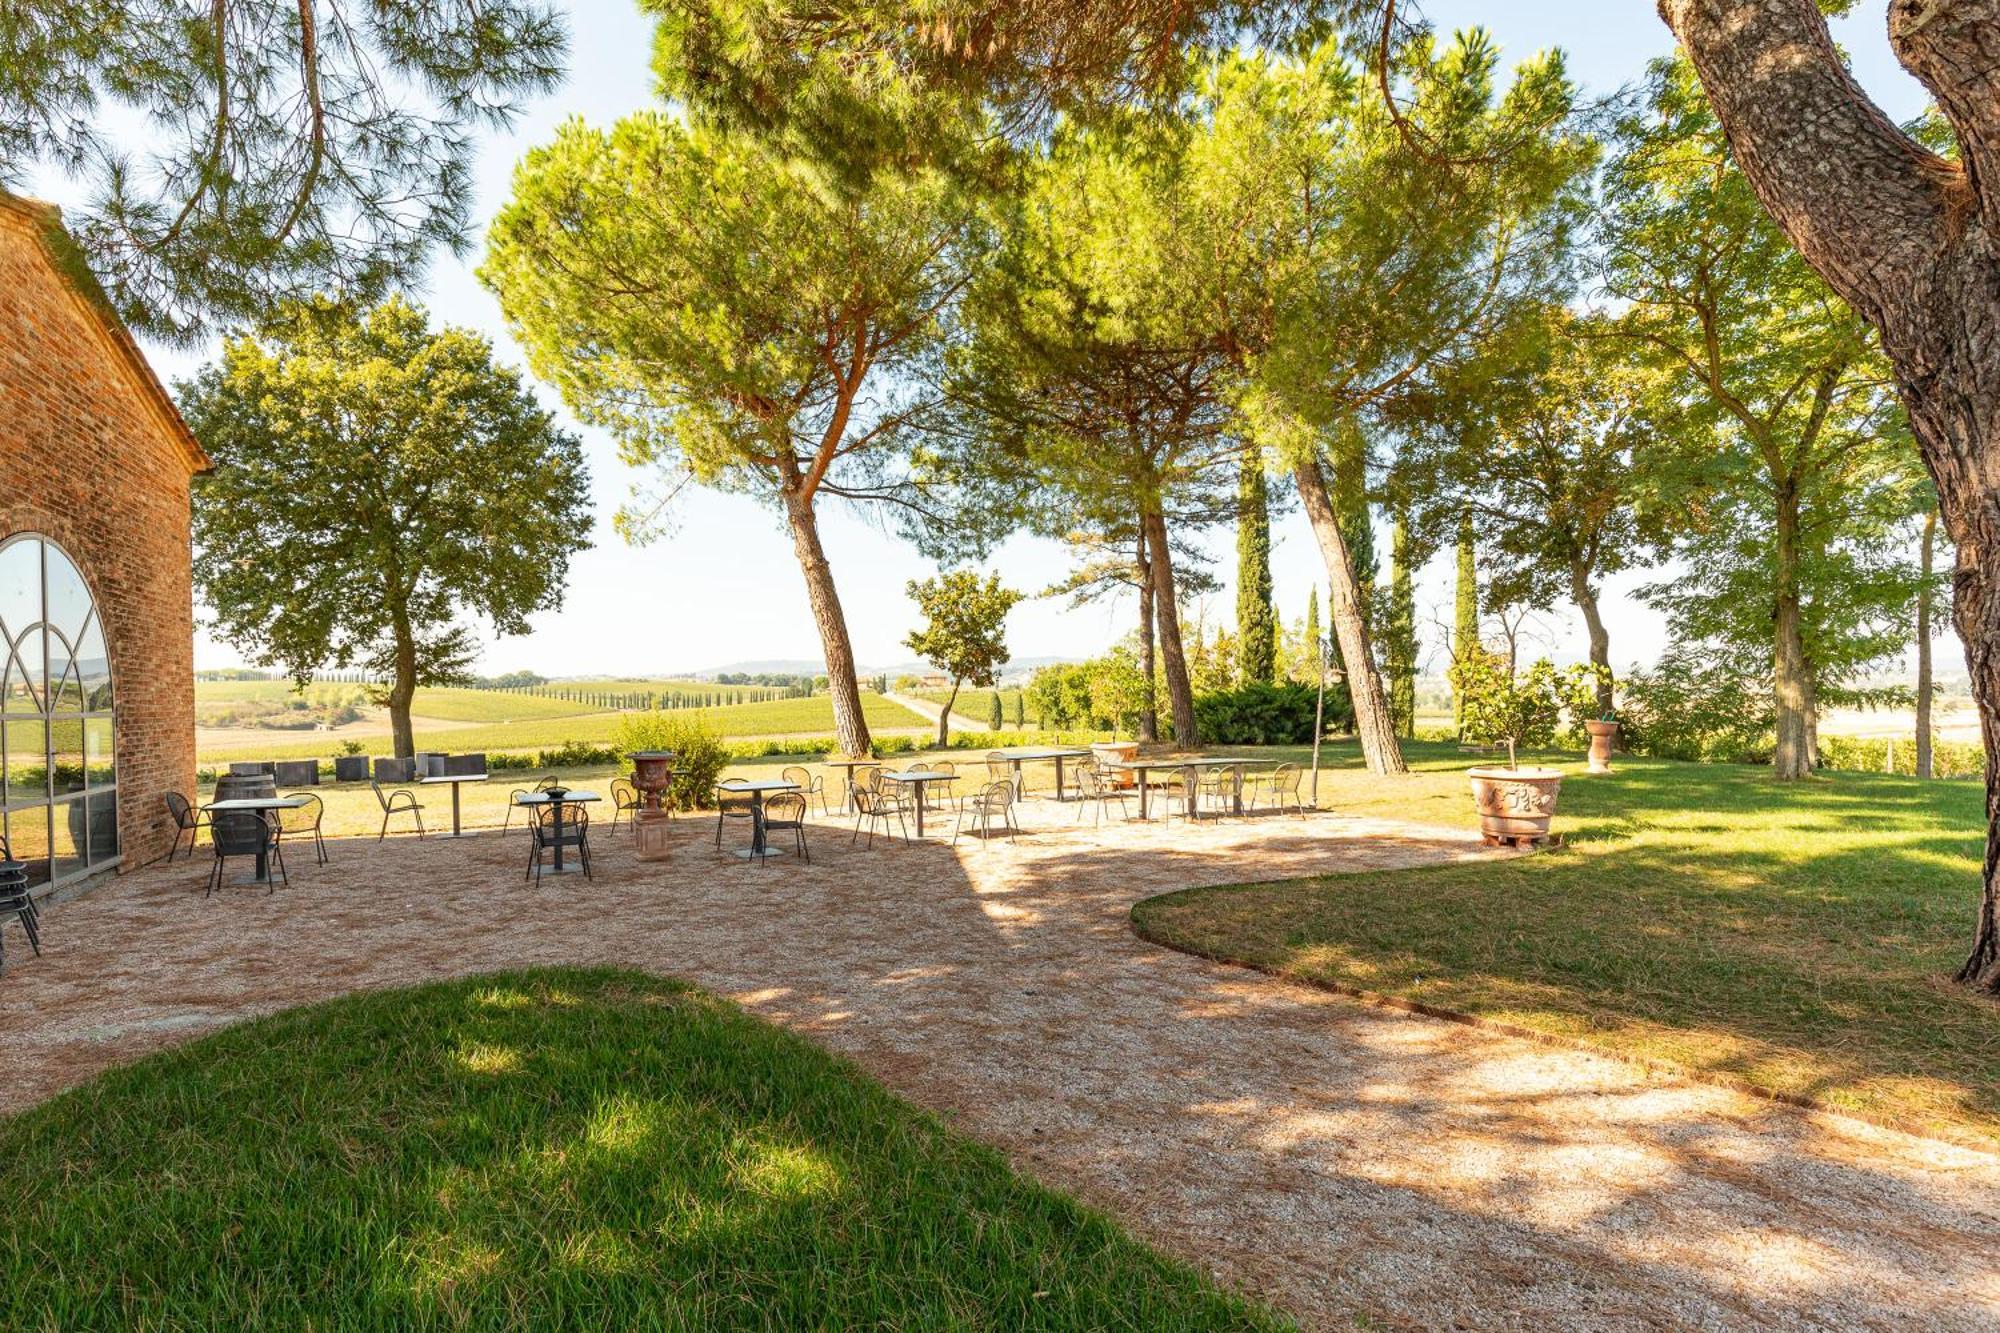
x=567 y=798
x=1031 y=754
x=262 y=805
x=847 y=785
x=456 y=780
x=917 y=779
x=1140 y=767
x=757 y=791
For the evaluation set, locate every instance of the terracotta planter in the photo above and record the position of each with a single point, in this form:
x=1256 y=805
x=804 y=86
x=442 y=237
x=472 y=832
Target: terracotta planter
x=1515 y=804
x=1117 y=752
x=1602 y=734
x=653 y=774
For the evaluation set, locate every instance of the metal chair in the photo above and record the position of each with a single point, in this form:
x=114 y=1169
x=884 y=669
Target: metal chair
x=514 y=799
x=401 y=801
x=549 y=783
x=810 y=783
x=187 y=820
x=992 y=803
x=786 y=812
x=1181 y=785
x=732 y=803
x=624 y=800
x=1282 y=783
x=872 y=805
x=246 y=833
x=1092 y=789
x=544 y=837
x=938 y=795
x=16 y=901
x=1077 y=768
x=305 y=819
x=1217 y=786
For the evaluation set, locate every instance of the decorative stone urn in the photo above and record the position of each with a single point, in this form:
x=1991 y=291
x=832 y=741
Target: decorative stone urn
x=1602 y=734
x=652 y=774
x=1515 y=804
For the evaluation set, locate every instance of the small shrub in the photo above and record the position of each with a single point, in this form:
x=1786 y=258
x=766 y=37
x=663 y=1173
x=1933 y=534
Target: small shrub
x=579 y=754
x=699 y=754
x=1949 y=759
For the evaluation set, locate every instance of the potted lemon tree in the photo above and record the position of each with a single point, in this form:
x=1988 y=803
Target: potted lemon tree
x=1515 y=804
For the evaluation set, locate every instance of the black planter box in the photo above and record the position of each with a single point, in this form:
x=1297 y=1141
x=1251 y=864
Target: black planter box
x=351 y=768
x=296 y=772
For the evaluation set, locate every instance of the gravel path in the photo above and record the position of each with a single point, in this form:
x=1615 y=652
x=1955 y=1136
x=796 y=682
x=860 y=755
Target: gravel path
x=1343 y=1162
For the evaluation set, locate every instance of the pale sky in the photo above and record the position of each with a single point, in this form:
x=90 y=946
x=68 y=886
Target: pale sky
x=724 y=586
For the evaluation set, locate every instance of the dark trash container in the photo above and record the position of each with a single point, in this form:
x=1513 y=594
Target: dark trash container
x=395 y=770
x=296 y=772
x=351 y=768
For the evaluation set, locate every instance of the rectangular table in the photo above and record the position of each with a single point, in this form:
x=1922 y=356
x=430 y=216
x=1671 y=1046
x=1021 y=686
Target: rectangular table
x=757 y=791
x=568 y=798
x=1140 y=767
x=1019 y=755
x=847 y=787
x=260 y=804
x=917 y=778
x=456 y=780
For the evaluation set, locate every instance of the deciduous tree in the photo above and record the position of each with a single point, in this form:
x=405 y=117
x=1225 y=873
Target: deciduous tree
x=964 y=634
x=375 y=481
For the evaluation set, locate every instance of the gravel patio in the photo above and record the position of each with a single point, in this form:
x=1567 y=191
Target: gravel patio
x=1341 y=1161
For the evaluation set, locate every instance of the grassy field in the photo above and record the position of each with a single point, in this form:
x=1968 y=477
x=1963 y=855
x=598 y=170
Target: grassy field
x=556 y=1149
x=1797 y=936
x=773 y=717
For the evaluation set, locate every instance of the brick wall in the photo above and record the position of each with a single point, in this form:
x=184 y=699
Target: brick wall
x=92 y=457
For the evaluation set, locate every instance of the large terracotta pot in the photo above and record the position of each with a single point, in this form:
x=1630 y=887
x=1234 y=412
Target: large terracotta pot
x=1515 y=804
x=1601 y=736
x=1117 y=752
x=653 y=774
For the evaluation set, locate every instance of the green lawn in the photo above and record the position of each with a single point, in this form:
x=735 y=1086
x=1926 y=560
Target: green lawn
x=771 y=717
x=555 y=1149
x=1798 y=936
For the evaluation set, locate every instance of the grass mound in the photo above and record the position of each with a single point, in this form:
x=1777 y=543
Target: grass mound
x=1795 y=936
x=550 y=1149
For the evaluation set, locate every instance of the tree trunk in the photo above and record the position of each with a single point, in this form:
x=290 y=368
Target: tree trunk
x=1926 y=559
x=850 y=725
x=402 y=683
x=944 y=718
x=1585 y=598
x=1912 y=241
x=1180 y=692
x=1149 y=708
x=1792 y=690
x=1372 y=721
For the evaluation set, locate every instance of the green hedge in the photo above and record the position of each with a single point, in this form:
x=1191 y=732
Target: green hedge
x=1949 y=759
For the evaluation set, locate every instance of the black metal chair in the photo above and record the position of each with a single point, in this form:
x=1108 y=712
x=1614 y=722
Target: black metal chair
x=514 y=802
x=786 y=813
x=17 y=902
x=402 y=801
x=246 y=833
x=730 y=803
x=575 y=832
x=187 y=820
x=624 y=801
x=549 y=783
x=305 y=819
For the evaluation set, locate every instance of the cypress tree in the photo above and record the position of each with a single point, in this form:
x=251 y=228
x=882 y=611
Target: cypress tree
x=1021 y=709
x=1256 y=625
x=1465 y=625
x=1399 y=636
x=997 y=717
x=1314 y=636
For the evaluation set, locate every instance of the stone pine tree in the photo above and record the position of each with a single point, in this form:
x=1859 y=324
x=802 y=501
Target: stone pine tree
x=1465 y=610
x=964 y=633
x=1910 y=237
x=1372 y=313
x=734 y=324
x=234 y=154
x=376 y=483
x=1256 y=622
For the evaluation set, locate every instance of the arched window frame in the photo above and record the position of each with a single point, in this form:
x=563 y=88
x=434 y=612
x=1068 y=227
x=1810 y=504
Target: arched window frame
x=58 y=737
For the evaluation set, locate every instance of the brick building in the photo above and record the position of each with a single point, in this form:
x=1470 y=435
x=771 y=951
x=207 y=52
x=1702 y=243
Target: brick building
x=96 y=580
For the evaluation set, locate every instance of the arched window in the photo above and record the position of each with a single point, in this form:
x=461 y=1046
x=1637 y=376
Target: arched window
x=58 y=775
